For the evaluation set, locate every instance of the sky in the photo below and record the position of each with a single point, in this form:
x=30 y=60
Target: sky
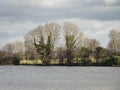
x=94 y=17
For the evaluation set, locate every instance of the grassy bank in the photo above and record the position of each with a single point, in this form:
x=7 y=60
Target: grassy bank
x=114 y=61
x=30 y=62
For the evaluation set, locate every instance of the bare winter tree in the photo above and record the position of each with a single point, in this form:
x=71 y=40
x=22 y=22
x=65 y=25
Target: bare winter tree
x=43 y=39
x=30 y=50
x=15 y=48
x=53 y=30
x=9 y=48
x=19 y=49
x=114 y=42
x=93 y=43
x=72 y=35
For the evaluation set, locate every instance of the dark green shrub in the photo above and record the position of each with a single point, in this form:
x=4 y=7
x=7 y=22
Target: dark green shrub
x=16 y=60
x=86 y=61
x=117 y=60
x=110 y=61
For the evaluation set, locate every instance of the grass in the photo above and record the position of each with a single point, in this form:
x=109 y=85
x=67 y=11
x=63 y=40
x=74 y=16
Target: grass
x=56 y=61
x=30 y=62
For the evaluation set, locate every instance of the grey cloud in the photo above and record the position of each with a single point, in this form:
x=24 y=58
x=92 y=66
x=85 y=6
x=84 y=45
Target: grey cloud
x=94 y=9
x=17 y=12
x=4 y=35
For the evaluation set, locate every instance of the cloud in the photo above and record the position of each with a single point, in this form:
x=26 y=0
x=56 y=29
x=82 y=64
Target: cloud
x=112 y=2
x=95 y=17
x=53 y=9
x=12 y=31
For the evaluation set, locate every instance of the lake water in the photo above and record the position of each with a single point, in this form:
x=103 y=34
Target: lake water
x=59 y=78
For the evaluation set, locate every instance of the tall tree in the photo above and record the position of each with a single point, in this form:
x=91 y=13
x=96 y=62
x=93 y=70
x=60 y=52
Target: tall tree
x=114 y=42
x=72 y=35
x=45 y=39
x=30 y=50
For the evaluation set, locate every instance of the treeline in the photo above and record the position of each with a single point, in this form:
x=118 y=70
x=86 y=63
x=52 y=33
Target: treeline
x=64 y=45
x=12 y=53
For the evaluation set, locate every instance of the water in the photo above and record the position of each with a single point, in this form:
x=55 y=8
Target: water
x=59 y=78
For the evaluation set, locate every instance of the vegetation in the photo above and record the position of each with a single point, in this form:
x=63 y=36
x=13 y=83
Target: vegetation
x=42 y=47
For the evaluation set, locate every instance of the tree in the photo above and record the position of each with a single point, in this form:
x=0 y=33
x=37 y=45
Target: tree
x=19 y=49
x=53 y=31
x=9 y=48
x=30 y=51
x=93 y=43
x=114 y=42
x=15 y=48
x=90 y=43
x=14 y=52
x=61 y=54
x=72 y=35
x=43 y=40
x=39 y=42
x=84 y=52
x=5 y=58
x=84 y=49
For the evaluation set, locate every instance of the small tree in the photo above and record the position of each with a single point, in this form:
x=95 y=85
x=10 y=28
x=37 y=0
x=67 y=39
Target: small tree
x=16 y=60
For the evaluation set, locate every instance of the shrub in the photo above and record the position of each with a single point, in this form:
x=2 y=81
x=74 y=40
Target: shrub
x=117 y=60
x=85 y=61
x=16 y=61
x=113 y=60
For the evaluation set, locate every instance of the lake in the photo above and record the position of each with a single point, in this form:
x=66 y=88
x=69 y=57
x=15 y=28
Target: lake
x=59 y=78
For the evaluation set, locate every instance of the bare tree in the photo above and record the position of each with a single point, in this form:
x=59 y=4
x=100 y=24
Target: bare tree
x=43 y=39
x=61 y=54
x=93 y=43
x=19 y=48
x=9 y=48
x=114 y=42
x=30 y=50
x=15 y=48
x=72 y=35
x=53 y=30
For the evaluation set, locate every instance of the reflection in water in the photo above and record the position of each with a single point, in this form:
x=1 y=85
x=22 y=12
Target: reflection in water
x=59 y=78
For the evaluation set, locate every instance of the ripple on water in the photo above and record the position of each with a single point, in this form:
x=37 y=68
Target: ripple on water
x=59 y=78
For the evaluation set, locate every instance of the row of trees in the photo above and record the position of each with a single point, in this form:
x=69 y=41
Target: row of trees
x=77 y=49
x=44 y=39
x=12 y=53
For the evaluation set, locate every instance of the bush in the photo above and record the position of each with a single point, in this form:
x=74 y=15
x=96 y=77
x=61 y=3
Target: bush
x=16 y=61
x=5 y=60
x=86 y=61
x=117 y=60
x=113 y=60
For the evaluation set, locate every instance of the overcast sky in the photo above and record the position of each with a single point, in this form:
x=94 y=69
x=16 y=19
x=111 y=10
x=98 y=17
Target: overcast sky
x=94 y=17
